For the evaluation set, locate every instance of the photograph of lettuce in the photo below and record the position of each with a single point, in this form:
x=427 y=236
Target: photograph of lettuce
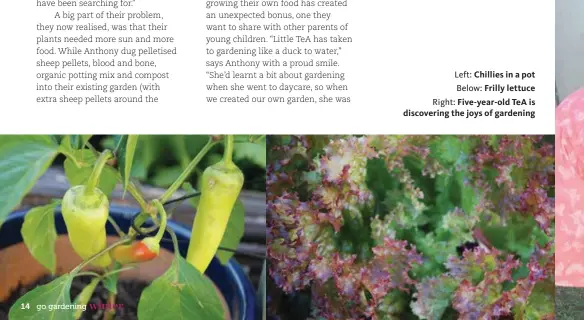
x=410 y=227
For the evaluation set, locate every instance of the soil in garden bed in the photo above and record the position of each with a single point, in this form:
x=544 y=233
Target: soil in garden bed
x=128 y=295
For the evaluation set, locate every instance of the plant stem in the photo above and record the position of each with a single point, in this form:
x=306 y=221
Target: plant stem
x=69 y=155
x=84 y=296
x=176 y=250
x=118 y=271
x=181 y=151
x=145 y=214
x=99 y=254
x=138 y=221
x=97 y=169
x=116 y=226
x=134 y=191
x=88 y=273
x=111 y=300
x=136 y=194
x=174 y=241
x=187 y=172
x=132 y=188
x=162 y=214
x=228 y=153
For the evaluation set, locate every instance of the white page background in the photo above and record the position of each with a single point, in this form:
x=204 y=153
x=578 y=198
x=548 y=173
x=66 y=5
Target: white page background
x=404 y=54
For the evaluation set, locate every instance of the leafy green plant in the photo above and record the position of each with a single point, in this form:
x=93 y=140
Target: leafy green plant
x=182 y=292
x=413 y=227
x=162 y=158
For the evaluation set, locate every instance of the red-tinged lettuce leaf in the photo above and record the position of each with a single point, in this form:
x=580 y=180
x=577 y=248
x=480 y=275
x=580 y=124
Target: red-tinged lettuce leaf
x=433 y=296
x=480 y=294
x=540 y=304
x=332 y=206
x=392 y=306
x=477 y=302
x=389 y=268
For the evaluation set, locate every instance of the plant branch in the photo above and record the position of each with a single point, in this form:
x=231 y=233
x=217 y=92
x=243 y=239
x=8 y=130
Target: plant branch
x=136 y=194
x=99 y=254
x=93 y=180
x=118 y=271
x=69 y=155
x=116 y=226
x=109 y=314
x=91 y=147
x=174 y=240
x=228 y=153
x=187 y=172
x=188 y=196
x=162 y=214
x=88 y=273
x=135 y=229
x=132 y=188
x=145 y=214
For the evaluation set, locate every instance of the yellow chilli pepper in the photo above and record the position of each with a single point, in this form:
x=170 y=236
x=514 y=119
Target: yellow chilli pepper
x=221 y=184
x=85 y=210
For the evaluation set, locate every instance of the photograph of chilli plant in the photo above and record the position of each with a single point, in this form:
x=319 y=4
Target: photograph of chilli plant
x=410 y=227
x=108 y=246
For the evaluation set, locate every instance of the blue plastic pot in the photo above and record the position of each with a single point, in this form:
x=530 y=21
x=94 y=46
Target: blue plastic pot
x=230 y=279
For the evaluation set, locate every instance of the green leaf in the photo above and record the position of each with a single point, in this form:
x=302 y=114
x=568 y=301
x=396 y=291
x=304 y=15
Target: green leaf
x=255 y=152
x=39 y=234
x=234 y=230
x=195 y=143
x=494 y=141
x=54 y=293
x=126 y=158
x=23 y=159
x=111 y=282
x=166 y=176
x=79 y=175
x=150 y=150
x=75 y=142
x=57 y=138
x=539 y=304
x=179 y=148
x=260 y=139
x=182 y=292
x=84 y=296
x=433 y=297
x=242 y=138
x=212 y=159
x=447 y=150
x=118 y=142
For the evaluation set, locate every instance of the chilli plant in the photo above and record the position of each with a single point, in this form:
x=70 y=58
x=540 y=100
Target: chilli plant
x=182 y=292
x=412 y=227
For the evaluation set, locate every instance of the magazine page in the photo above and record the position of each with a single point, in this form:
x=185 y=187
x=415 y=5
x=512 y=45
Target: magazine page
x=290 y=160
x=389 y=67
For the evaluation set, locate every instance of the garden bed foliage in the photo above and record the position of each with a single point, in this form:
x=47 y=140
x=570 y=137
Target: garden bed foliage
x=428 y=227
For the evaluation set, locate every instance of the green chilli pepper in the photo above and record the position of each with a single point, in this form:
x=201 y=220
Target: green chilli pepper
x=221 y=184
x=85 y=210
x=85 y=214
